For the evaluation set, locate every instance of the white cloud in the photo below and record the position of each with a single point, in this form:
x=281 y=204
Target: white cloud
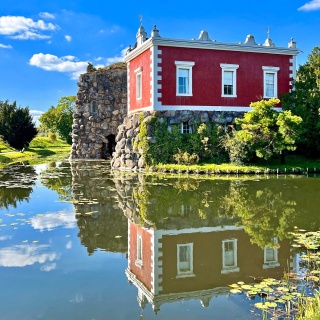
x=22 y=28
x=66 y=64
x=25 y=255
x=311 y=5
x=98 y=59
x=3 y=46
x=46 y=15
x=50 y=221
x=68 y=38
x=117 y=58
x=48 y=267
x=36 y=114
x=69 y=245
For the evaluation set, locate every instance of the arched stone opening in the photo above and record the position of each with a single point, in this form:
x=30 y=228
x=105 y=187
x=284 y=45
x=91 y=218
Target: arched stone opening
x=112 y=143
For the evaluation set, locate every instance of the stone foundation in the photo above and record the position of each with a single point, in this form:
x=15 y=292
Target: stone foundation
x=125 y=157
x=101 y=107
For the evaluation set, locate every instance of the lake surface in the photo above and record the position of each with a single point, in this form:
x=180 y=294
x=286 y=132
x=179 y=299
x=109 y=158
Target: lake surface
x=78 y=241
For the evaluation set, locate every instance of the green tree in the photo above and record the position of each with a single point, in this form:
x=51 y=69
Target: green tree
x=16 y=125
x=59 y=119
x=264 y=133
x=304 y=101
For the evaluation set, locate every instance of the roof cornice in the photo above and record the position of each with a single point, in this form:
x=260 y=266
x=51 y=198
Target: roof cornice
x=211 y=45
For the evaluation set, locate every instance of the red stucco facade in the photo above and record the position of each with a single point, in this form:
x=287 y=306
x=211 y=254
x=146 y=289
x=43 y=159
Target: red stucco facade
x=207 y=76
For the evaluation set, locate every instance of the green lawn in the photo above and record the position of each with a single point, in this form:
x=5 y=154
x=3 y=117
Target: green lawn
x=40 y=148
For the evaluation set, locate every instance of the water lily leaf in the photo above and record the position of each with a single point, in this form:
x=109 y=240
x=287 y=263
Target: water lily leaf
x=240 y=282
x=252 y=292
x=260 y=305
x=313 y=278
x=234 y=291
x=267 y=289
x=287 y=297
x=246 y=287
x=283 y=289
x=234 y=285
x=271 y=304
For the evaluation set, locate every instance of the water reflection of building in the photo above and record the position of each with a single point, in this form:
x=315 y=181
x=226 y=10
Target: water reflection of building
x=196 y=263
x=181 y=247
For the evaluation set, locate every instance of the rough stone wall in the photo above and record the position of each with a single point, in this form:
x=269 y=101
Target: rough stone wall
x=100 y=108
x=126 y=157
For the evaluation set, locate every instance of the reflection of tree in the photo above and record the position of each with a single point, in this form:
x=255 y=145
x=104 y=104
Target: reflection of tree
x=58 y=178
x=265 y=213
x=173 y=203
x=101 y=223
x=16 y=183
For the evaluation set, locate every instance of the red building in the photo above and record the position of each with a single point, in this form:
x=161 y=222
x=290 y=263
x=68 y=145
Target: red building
x=205 y=75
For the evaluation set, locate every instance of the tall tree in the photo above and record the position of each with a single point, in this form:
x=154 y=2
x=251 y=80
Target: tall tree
x=264 y=133
x=59 y=119
x=304 y=101
x=16 y=125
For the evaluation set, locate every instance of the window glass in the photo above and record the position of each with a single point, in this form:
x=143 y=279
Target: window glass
x=184 y=258
x=139 y=86
x=183 y=80
x=229 y=254
x=228 y=82
x=269 y=78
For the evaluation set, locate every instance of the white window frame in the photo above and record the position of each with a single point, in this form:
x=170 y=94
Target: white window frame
x=189 y=273
x=268 y=263
x=274 y=71
x=138 y=261
x=186 y=128
x=138 y=73
x=188 y=66
x=231 y=68
x=234 y=268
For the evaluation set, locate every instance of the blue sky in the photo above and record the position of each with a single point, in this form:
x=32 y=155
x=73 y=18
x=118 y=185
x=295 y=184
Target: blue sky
x=44 y=45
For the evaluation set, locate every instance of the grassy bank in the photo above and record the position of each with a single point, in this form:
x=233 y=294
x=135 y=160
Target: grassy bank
x=40 y=148
x=294 y=165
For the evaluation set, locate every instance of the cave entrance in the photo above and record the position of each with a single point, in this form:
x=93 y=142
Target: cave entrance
x=109 y=147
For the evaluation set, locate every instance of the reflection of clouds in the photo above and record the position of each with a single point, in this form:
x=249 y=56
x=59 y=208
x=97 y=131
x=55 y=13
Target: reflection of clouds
x=78 y=298
x=49 y=221
x=3 y=238
x=25 y=255
x=48 y=267
x=69 y=245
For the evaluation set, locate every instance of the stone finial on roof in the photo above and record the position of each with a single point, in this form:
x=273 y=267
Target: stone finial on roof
x=204 y=36
x=250 y=40
x=155 y=32
x=292 y=44
x=268 y=43
x=141 y=36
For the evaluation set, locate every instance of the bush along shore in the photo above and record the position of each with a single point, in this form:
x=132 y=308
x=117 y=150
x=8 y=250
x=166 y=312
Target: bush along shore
x=40 y=149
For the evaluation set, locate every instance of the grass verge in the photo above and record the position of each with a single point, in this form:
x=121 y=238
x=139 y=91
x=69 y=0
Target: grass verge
x=39 y=149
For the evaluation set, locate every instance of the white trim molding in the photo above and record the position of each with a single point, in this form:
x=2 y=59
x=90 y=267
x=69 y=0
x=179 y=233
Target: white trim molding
x=233 y=69
x=184 y=66
x=274 y=72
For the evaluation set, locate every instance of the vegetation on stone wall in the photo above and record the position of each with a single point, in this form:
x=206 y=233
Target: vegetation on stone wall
x=157 y=144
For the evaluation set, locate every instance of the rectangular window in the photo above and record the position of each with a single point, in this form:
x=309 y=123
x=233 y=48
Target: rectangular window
x=186 y=128
x=228 y=83
x=185 y=259
x=229 y=256
x=139 y=85
x=229 y=80
x=184 y=78
x=271 y=256
x=270 y=82
x=139 y=251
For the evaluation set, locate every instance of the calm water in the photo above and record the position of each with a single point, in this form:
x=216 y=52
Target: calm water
x=80 y=242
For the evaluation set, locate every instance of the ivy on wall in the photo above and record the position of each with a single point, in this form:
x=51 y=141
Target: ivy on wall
x=157 y=144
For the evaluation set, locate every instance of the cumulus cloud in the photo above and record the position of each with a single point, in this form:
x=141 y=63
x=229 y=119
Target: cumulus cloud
x=66 y=64
x=117 y=58
x=36 y=114
x=68 y=38
x=48 y=267
x=3 y=46
x=25 y=255
x=50 y=221
x=310 y=6
x=46 y=15
x=22 y=28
